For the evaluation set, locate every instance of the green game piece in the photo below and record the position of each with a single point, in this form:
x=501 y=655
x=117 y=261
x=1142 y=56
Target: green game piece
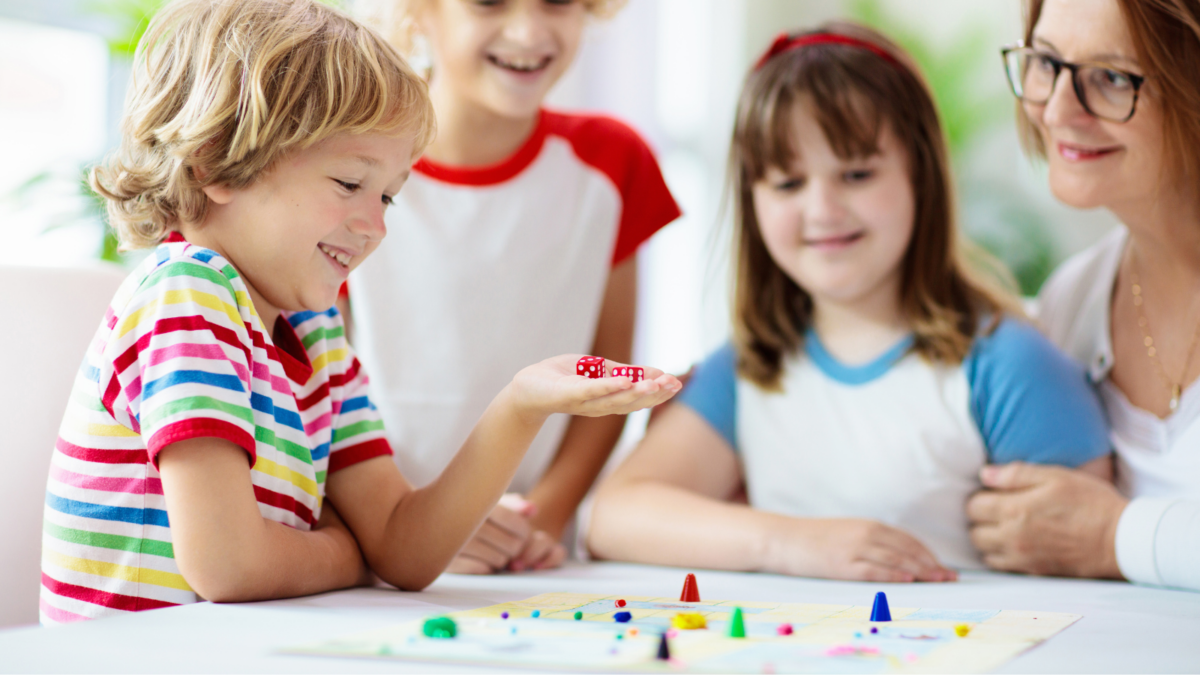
x=737 y=625
x=578 y=616
x=440 y=627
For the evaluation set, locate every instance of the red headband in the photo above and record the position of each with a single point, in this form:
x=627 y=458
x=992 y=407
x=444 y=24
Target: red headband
x=786 y=43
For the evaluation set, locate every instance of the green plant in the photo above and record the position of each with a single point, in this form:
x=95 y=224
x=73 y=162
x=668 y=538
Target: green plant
x=994 y=216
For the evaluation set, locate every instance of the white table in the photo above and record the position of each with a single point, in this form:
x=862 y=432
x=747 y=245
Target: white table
x=1124 y=628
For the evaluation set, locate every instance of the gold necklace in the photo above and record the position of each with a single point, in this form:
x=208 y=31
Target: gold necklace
x=1175 y=387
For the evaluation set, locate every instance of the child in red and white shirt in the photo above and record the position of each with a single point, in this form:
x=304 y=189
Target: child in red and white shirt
x=515 y=239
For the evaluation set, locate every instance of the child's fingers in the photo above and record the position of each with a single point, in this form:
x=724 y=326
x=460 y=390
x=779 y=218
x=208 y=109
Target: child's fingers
x=492 y=557
x=865 y=570
x=642 y=395
x=908 y=546
x=501 y=539
x=540 y=545
x=466 y=565
x=555 y=558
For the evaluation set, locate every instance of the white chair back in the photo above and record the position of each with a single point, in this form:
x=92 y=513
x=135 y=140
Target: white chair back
x=53 y=314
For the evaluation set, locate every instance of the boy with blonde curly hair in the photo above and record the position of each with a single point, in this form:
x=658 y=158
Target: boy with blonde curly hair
x=220 y=442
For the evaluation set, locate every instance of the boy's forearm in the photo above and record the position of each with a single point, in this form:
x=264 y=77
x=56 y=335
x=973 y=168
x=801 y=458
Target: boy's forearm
x=428 y=526
x=687 y=529
x=286 y=563
x=585 y=448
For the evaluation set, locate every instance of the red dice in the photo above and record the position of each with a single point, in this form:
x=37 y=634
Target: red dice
x=634 y=373
x=591 y=367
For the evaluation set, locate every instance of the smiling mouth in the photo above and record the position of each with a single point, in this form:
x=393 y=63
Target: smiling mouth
x=523 y=66
x=340 y=257
x=835 y=242
x=1075 y=153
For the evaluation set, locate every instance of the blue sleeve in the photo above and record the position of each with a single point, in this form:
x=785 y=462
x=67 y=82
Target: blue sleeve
x=1031 y=402
x=712 y=392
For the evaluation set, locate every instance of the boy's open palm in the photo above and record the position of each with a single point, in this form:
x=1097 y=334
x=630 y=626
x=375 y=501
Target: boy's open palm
x=553 y=386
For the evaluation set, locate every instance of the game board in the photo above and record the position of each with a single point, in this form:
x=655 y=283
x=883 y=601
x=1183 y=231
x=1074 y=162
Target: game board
x=825 y=638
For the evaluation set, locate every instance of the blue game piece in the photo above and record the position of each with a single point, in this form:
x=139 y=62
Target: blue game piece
x=536 y=613
x=622 y=617
x=874 y=630
x=880 y=611
x=857 y=635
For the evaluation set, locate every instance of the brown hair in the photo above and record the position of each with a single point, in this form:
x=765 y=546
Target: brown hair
x=1166 y=38
x=854 y=94
x=230 y=86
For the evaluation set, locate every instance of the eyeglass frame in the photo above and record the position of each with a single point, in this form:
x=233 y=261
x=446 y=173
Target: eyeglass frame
x=1059 y=64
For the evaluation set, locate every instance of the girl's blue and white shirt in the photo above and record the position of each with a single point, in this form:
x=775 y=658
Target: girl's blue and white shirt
x=901 y=440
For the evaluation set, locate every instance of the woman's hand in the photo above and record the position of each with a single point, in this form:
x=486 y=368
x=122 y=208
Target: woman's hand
x=1046 y=520
x=552 y=386
x=852 y=549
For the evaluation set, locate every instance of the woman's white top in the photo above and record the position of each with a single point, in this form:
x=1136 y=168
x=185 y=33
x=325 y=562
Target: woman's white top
x=1158 y=460
x=900 y=440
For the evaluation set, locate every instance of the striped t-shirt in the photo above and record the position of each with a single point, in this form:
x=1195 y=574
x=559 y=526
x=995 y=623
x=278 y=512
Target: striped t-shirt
x=182 y=354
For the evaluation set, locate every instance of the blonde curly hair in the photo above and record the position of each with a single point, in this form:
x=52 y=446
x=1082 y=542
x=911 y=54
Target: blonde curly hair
x=221 y=89
x=396 y=19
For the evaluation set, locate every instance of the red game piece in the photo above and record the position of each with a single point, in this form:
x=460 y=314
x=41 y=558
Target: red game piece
x=690 y=592
x=590 y=367
x=635 y=373
x=620 y=603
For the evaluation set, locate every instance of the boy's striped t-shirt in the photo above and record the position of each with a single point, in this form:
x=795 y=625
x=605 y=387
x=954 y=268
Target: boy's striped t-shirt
x=182 y=354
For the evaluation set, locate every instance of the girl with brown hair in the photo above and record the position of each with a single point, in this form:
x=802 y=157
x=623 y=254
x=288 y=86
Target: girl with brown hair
x=871 y=374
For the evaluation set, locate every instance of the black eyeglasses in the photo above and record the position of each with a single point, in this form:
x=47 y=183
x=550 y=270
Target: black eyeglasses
x=1104 y=92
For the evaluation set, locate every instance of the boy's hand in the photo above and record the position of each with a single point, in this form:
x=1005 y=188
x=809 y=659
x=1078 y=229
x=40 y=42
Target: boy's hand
x=552 y=386
x=854 y=549
x=504 y=535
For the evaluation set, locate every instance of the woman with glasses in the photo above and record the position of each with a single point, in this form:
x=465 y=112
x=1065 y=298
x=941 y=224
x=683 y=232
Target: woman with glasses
x=1109 y=96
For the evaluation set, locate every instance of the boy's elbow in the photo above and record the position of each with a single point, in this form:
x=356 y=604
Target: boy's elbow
x=224 y=581
x=411 y=580
x=225 y=588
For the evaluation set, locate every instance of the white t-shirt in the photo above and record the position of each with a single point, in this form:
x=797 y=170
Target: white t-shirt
x=488 y=270
x=900 y=440
x=1158 y=460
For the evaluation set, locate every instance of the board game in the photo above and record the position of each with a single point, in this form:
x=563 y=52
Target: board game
x=571 y=631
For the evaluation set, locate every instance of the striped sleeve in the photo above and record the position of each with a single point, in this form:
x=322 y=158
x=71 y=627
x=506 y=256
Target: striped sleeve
x=177 y=364
x=358 y=433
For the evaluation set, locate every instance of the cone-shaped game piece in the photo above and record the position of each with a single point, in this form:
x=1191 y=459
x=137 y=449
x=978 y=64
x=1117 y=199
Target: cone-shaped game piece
x=737 y=625
x=690 y=592
x=880 y=611
x=664 y=652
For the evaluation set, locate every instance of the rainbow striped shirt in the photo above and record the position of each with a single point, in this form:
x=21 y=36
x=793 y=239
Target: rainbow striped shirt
x=182 y=354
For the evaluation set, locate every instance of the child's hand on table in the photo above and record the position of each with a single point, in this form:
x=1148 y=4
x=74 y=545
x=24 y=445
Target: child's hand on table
x=854 y=549
x=507 y=540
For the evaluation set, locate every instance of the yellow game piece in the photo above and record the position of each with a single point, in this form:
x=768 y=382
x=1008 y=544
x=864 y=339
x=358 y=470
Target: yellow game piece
x=962 y=629
x=689 y=621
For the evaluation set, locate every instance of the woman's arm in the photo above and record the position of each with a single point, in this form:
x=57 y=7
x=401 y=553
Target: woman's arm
x=668 y=504
x=226 y=550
